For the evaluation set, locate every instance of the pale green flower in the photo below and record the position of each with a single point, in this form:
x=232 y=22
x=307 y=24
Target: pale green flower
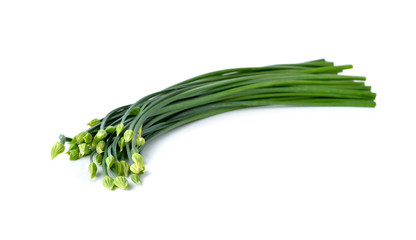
x=119 y=128
x=99 y=159
x=57 y=149
x=140 y=141
x=92 y=168
x=137 y=158
x=74 y=155
x=121 y=143
x=101 y=134
x=136 y=179
x=128 y=135
x=109 y=161
x=84 y=149
x=121 y=182
x=108 y=182
x=100 y=147
x=88 y=138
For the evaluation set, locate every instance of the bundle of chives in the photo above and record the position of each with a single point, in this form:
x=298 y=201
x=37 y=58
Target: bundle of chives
x=117 y=139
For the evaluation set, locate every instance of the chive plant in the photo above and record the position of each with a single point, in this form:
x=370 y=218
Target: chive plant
x=116 y=140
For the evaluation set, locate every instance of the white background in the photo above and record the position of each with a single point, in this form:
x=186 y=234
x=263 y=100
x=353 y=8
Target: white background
x=266 y=173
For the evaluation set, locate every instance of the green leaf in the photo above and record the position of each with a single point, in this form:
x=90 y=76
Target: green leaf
x=136 y=179
x=108 y=182
x=92 y=168
x=57 y=149
x=93 y=122
x=121 y=182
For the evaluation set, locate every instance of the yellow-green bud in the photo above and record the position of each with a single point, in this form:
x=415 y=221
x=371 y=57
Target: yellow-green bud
x=80 y=137
x=119 y=128
x=121 y=143
x=125 y=168
x=72 y=147
x=100 y=147
x=88 y=138
x=101 y=134
x=117 y=167
x=57 y=149
x=110 y=129
x=99 y=159
x=109 y=161
x=93 y=122
x=137 y=168
x=121 y=182
x=92 y=168
x=137 y=158
x=108 y=182
x=128 y=135
x=140 y=141
x=136 y=179
x=84 y=149
x=95 y=141
x=74 y=155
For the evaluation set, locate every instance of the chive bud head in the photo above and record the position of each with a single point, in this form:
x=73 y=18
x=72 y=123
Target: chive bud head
x=100 y=147
x=137 y=158
x=117 y=167
x=137 y=168
x=74 y=154
x=72 y=147
x=57 y=149
x=121 y=182
x=101 y=134
x=121 y=143
x=128 y=135
x=110 y=161
x=93 y=122
x=135 y=111
x=99 y=159
x=80 y=137
x=110 y=129
x=84 y=149
x=95 y=141
x=87 y=138
x=140 y=141
x=136 y=179
x=119 y=128
x=108 y=182
x=92 y=168
x=125 y=168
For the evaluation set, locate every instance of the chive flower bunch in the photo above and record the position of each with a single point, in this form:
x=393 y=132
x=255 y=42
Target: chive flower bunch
x=115 y=142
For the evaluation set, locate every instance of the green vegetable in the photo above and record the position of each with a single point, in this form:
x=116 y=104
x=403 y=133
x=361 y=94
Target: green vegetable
x=314 y=83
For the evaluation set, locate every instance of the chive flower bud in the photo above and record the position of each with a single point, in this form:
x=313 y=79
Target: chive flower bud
x=137 y=158
x=88 y=138
x=108 y=182
x=93 y=122
x=80 y=137
x=92 y=168
x=125 y=168
x=57 y=149
x=84 y=149
x=128 y=135
x=136 y=179
x=121 y=143
x=101 y=134
x=110 y=161
x=137 y=168
x=110 y=129
x=100 y=147
x=95 y=141
x=121 y=182
x=117 y=167
x=119 y=128
x=140 y=141
x=74 y=155
x=99 y=159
